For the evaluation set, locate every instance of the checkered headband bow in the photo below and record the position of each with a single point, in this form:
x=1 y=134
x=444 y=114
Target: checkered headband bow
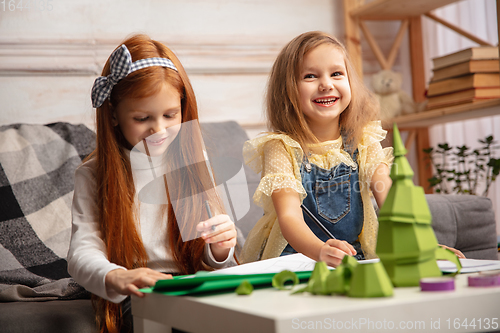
x=121 y=65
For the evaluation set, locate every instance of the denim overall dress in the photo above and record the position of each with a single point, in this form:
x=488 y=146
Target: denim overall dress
x=334 y=197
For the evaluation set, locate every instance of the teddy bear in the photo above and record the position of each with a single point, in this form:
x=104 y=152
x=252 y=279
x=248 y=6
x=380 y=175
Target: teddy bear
x=393 y=101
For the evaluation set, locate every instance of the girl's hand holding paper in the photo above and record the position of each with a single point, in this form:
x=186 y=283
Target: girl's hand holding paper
x=126 y=282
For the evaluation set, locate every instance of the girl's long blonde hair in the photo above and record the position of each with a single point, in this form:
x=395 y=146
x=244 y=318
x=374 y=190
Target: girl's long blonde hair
x=282 y=98
x=116 y=191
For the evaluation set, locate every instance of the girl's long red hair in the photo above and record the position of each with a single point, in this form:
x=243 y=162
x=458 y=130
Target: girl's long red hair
x=117 y=215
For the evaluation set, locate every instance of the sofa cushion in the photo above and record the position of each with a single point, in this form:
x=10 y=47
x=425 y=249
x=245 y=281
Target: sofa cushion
x=75 y=316
x=465 y=222
x=37 y=165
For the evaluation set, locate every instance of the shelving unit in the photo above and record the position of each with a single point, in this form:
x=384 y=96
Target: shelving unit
x=490 y=107
x=410 y=14
x=396 y=9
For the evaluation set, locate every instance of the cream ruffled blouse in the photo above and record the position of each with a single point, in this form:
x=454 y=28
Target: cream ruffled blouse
x=278 y=158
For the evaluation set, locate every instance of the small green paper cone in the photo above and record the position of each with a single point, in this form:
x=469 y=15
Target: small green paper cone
x=370 y=280
x=349 y=264
x=336 y=282
x=317 y=281
x=245 y=288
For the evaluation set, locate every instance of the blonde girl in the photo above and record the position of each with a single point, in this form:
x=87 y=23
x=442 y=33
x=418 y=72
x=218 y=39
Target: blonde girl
x=323 y=160
x=118 y=243
x=323 y=153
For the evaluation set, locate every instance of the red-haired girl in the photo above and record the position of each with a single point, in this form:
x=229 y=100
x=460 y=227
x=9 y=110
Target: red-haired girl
x=118 y=243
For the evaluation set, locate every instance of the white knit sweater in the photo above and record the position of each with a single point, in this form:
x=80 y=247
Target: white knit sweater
x=87 y=260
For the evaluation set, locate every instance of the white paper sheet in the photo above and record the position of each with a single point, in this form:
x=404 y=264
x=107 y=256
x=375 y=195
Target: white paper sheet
x=299 y=262
x=293 y=262
x=469 y=265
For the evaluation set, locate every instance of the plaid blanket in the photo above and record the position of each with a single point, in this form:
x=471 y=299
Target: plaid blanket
x=37 y=165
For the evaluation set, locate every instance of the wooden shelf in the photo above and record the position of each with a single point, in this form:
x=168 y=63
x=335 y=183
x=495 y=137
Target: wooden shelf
x=410 y=13
x=397 y=9
x=448 y=114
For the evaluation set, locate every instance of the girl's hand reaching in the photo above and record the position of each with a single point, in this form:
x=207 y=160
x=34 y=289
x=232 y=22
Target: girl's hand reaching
x=457 y=252
x=334 y=250
x=126 y=282
x=220 y=232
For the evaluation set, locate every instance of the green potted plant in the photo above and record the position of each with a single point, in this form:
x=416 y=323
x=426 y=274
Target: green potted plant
x=460 y=169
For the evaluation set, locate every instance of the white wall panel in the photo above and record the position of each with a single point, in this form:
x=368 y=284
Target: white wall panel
x=49 y=58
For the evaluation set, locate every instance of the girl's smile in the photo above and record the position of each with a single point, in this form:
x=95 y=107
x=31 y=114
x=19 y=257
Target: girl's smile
x=156 y=139
x=326 y=101
x=324 y=90
x=155 y=143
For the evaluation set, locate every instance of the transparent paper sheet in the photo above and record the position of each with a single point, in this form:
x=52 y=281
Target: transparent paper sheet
x=188 y=175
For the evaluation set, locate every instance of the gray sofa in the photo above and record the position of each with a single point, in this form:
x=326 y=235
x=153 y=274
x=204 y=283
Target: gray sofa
x=465 y=222
x=37 y=163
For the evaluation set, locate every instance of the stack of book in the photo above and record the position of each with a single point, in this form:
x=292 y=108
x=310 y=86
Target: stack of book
x=464 y=77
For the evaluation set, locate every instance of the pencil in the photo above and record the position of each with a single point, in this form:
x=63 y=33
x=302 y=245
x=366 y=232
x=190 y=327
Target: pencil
x=318 y=223
x=209 y=212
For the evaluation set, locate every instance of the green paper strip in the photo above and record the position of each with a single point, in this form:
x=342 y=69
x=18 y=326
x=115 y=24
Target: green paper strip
x=282 y=277
x=213 y=283
x=445 y=254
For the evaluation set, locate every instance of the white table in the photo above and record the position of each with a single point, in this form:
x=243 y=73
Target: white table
x=270 y=310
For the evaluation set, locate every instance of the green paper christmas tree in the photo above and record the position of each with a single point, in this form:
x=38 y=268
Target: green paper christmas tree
x=406 y=243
